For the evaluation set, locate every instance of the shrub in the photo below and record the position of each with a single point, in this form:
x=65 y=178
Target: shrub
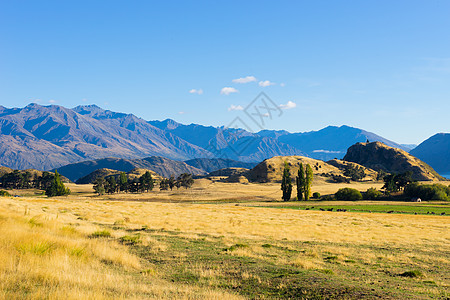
x=4 y=193
x=316 y=195
x=327 y=198
x=427 y=191
x=101 y=234
x=372 y=194
x=348 y=194
x=411 y=274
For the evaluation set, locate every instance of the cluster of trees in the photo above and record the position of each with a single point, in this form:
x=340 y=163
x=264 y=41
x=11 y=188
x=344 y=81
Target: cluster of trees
x=427 y=191
x=110 y=185
x=354 y=172
x=184 y=180
x=303 y=180
x=349 y=194
x=144 y=183
x=397 y=182
x=49 y=182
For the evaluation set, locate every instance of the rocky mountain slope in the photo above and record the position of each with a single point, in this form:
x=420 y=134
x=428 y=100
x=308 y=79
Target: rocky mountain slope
x=47 y=137
x=325 y=144
x=379 y=156
x=435 y=151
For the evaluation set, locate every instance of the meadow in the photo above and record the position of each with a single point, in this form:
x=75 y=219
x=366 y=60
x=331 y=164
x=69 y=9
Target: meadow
x=221 y=241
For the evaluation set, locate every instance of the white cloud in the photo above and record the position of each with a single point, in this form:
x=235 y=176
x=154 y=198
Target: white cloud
x=228 y=90
x=288 y=105
x=246 y=79
x=327 y=151
x=265 y=83
x=51 y=101
x=235 y=107
x=181 y=112
x=282 y=84
x=195 y=91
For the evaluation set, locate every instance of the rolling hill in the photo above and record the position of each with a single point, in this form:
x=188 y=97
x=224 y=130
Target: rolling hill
x=379 y=156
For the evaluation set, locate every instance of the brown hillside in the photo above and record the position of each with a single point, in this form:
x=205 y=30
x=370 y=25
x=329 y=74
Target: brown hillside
x=378 y=156
x=271 y=169
x=341 y=165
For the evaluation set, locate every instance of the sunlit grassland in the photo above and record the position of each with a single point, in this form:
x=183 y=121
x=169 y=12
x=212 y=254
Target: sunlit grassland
x=196 y=244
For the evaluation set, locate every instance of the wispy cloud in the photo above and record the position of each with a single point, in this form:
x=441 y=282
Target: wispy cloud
x=245 y=79
x=196 y=91
x=327 y=151
x=282 y=84
x=266 y=83
x=181 y=112
x=52 y=101
x=288 y=105
x=235 y=107
x=228 y=90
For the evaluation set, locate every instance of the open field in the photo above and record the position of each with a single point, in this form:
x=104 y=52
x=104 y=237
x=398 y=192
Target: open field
x=199 y=243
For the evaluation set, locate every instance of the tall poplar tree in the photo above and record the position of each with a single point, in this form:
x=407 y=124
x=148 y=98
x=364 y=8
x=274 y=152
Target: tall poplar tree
x=308 y=181
x=301 y=180
x=286 y=184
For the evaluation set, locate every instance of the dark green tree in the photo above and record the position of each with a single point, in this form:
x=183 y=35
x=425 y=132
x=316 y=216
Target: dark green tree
x=286 y=183
x=99 y=186
x=186 y=180
x=57 y=187
x=164 y=184
x=147 y=182
x=308 y=181
x=123 y=182
x=111 y=185
x=172 y=182
x=300 y=180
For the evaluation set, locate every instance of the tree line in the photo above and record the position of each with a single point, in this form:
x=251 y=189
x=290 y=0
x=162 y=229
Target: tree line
x=51 y=183
x=142 y=184
x=303 y=181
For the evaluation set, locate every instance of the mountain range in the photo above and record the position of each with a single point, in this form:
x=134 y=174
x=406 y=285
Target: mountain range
x=435 y=151
x=48 y=137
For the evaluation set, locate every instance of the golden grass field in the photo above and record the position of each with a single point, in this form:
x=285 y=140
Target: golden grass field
x=214 y=242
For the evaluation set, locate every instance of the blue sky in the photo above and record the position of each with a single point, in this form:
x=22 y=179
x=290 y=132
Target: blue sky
x=383 y=66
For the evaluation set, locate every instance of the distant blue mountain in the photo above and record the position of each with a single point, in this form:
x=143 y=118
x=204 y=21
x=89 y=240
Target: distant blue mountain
x=435 y=151
x=325 y=144
x=48 y=137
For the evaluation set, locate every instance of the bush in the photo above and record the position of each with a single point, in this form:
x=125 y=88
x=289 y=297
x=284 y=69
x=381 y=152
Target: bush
x=101 y=234
x=327 y=198
x=4 y=193
x=316 y=195
x=348 y=194
x=427 y=191
x=372 y=194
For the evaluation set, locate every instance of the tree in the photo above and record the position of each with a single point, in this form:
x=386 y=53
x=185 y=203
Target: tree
x=164 y=184
x=308 y=181
x=111 y=185
x=146 y=181
x=172 y=182
x=300 y=180
x=123 y=182
x=57 y=188
x=186 y=180
x=99 y=186
x=286 y=184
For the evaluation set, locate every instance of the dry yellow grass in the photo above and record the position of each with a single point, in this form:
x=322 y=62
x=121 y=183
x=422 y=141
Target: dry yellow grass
x=46 y=252
x=40 y=257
